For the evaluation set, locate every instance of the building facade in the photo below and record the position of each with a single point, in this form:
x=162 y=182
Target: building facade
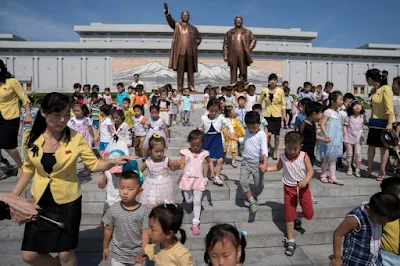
x=109 y=53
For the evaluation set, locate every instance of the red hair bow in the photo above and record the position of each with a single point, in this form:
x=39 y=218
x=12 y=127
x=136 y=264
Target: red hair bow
x=80 y=101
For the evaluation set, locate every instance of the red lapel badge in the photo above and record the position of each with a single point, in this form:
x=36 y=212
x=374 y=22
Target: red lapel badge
x=68 y=151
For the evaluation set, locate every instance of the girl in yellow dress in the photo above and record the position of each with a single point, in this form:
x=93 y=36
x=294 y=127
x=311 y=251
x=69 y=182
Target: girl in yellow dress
x=231 y=145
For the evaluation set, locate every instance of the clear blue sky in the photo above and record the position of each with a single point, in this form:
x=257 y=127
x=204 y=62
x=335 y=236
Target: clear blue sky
x=339 y=23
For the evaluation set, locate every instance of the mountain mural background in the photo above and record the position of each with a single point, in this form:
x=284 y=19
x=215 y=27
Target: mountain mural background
x=155 y=72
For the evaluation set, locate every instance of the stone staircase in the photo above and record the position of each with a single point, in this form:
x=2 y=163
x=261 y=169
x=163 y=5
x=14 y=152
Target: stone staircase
x=226 y=204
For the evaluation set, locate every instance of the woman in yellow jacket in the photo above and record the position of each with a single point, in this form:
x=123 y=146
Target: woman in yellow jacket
x=53 y=150
x=11 y=92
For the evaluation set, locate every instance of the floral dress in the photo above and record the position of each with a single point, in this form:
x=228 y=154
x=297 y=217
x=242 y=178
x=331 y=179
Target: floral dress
x=156 y=127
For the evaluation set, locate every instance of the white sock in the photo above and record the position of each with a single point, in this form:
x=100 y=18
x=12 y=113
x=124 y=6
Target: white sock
x=252 y=200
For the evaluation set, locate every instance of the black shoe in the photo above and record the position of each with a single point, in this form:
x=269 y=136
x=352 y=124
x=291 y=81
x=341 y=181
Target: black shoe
x=339 y=163
x=297 y=224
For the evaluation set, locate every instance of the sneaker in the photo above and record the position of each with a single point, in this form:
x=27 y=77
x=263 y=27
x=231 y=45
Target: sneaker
x=358 y=173
x=174 y=123
x=253 y=207
x=350 y=171
x=234 y=165
x=314 y=201
x=297 y=224
x=195 y=230
x=218 y=181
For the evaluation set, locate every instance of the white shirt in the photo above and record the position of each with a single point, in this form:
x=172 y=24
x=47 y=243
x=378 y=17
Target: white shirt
x=123 y=132
x=112 y=189
x=73 y=122
x=250 y=101
x=134 y=83
x=105 y=131
x=139 y=128
x=219 y=122
x=255 y=145
x=293 y=170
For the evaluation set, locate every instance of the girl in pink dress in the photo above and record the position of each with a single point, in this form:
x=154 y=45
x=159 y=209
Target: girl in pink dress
x=192 y=180
x=83 y=124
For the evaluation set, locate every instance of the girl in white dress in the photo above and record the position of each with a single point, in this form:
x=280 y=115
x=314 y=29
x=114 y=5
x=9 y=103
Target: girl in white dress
x=156 y=126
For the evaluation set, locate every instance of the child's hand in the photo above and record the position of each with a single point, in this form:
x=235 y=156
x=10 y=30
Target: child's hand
x=139 y=259
x=96 y=139
x=105 y=253
x=19 y=133
x=263 y=168
x=169 y=140
x=302 y=184
x=327 y=140
x=336 y=262
x=232 y=136
x=102 y=184
x=128 y=145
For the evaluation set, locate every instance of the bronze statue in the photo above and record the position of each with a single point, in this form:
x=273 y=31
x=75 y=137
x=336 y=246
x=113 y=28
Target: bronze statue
x=183 y=57
x=238 y=44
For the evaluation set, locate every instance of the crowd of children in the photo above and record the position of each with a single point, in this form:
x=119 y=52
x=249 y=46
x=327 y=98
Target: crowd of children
x=327 y=125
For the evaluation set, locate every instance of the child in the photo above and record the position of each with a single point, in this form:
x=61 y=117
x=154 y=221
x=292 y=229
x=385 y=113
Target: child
x=212 y=125
x=255 y=159
x=241 y=110
x=251 y=97
x=83 y=124
x=331 y=127
x=95 y=110
x=107 y=96
x=188 y=106
x=225 y=243
x=164 y=222
x=96 y=89
x=156 y=126
x=301 y=116
x=308 y=129
x=120 y=128
x=174 y=107
x=206 y=96
x=213 y=94
x=239 y=89
x=289 y=107
x=222 y=105
x=231 y=145
x=353 y=135
x=105 y=131
x=164 y=106
x=306 y=93
x=263 y=122
x=139 y=129
x=229 y=97
x=141 y=98
x=77 y=92
x=296 y=176
x=396 y=110
x=158 y=185
x=154 y=96
x=86 y=94
x=121 y=95
x=192 y=180
x=390 y=245
x=128 y=112
x=132 y=95
x=362 y=231
x=318 y=96
x=126 y=224
x=25 y=128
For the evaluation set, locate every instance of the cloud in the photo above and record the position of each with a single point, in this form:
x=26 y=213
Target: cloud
x=30 y=25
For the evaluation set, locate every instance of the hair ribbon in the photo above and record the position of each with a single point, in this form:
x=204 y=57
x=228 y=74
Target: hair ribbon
x=166 y=202
x=243 y=233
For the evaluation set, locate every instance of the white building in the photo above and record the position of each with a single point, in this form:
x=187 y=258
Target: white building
x=108 y=53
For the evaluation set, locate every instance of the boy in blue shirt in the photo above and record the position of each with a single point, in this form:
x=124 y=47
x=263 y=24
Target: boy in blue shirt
x=301 y=116
x=188 y=106
x=122 y=94
x=25 y=128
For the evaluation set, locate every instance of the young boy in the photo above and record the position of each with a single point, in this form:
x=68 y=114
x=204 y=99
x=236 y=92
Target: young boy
x=96 y=89
x=126 y=223
x=289 y=106
x=251 y=97
x=25 y=128
x=255 y=159
x=139 y=129
x=301 y=116
x=263 y=122
x=128 y=112
x=141 y=98
x=95 y=107
x=86 y=94
x=229 y=97
x=306 y=93
x=121 y=95
x=132 y=95
x=77 y=95
x=241 y=110
x=297 y=173
x=188 y=106
x=154 y=96
x=390 y=244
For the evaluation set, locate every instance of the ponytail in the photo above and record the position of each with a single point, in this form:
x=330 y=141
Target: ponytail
x=243 y=244
x=183 y=235
x=39 y=126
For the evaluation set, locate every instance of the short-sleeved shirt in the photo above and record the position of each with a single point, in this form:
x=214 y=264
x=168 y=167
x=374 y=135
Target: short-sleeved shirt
x=163 y=104
x=391 y=237
x=95 y=112
x=229 y=100
x=308 y=95
x=187 y=102
x=132 y=97
x=154 y=99
x=263 y=123
x=34 y=112
x=176 y=255
x=105 y=132
x=240 y=114
x=128 y=113
x=309 y=133
x=121 y=96
x=141 y=99
x=127 y=225
x=139 y=126
x=289 y=102
x=299 y=120
x=396 y=107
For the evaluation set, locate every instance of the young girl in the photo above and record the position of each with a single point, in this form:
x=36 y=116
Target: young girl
x=362 y=231
x=83 y=124
x=289 y=108
x=164 y=106
x=164 y=222
x=353 y=135
x=192 y=180
x=156 y=126
x=106 y=130
x=212 y=125
x=206 y=96
x=331 y=127
x=174 y=107
x=120 y=128
x=107 y=96
x=396 y=110
x=231 y=145
x=158 y=185
x=225 y=243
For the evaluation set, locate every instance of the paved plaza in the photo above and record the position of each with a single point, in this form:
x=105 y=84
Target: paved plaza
x=226 y=204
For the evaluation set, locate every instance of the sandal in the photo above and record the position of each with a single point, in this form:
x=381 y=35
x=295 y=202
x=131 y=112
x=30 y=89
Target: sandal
x=368 y=173
x=335 y=181
x=380 y=177
x=323 y=179
x=290 y=247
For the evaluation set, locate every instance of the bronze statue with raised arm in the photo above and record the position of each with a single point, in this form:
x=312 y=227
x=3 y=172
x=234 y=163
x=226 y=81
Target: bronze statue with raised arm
x=184 y=56
x=238 y=44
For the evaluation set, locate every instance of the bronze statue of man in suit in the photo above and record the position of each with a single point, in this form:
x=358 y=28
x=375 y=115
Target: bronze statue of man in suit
x=183 y=57
x=238 y=44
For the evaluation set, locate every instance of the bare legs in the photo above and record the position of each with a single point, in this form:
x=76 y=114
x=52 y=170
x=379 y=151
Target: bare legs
x=276 y=145
x=384 y=160
x=66 y=258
